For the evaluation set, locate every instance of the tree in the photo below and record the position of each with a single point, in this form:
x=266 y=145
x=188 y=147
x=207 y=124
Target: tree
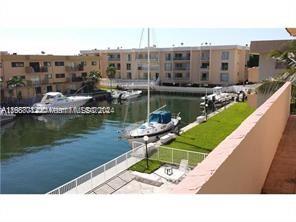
x=90 y=80
x=14 y=83
x=287 y=58
x=111 y=72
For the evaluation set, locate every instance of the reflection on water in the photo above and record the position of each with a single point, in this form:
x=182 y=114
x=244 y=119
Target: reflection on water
x=39 y=153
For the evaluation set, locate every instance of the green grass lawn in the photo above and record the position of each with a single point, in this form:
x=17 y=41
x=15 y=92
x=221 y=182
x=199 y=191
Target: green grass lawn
x=141 y=166
x=206 y=136
x=202 y=138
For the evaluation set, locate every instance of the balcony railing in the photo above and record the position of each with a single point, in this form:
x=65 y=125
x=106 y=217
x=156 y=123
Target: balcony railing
x=79 y=67
x=113 y=59
x=182 y=58
x=181 y=68
x=30 y=69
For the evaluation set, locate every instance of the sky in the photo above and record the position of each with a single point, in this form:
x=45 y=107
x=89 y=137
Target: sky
x=70 y=41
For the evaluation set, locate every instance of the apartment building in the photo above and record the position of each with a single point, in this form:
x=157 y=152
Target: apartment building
x=268 y=67
x=206 y=65
x=44 y=73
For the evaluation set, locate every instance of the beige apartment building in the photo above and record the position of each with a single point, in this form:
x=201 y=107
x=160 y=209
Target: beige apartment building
x=268 y=67
x=44 y=73
x=206 y=65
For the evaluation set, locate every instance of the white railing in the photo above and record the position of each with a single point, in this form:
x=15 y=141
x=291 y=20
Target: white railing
x=99 y=175
x=174 y=156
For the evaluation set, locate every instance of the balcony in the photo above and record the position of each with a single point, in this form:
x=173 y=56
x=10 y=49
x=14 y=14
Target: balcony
x=181 y=68
x=30 y=69
x=182 y=58
x=78 y=67
x=114 y=59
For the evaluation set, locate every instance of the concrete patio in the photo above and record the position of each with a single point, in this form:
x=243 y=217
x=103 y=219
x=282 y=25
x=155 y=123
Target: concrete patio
x=281 y=178
x=126 y=183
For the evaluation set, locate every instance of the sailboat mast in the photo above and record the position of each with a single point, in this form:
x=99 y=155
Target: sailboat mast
x=148 y=76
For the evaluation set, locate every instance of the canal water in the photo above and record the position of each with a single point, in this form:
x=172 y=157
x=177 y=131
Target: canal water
x=41 y=153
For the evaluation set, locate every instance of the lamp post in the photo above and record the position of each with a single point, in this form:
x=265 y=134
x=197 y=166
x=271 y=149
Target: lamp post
x=146 y=138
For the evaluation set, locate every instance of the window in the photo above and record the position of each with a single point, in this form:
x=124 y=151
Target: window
x=47 y=64
x=178 y=75
x=224 y=66
x=168 y=75
x=205 y=55
x=0 y=65
x=204 y=76
x=49 y=88
x=205 y=65
x=94 y=63
x=128 y=66
x=83 y=63
x=17 y=64
x=168 y=57
x=129 y=75
x=23 y=77
x=60 y=75
x=84 y=74
x=225 y=55
x=224 y=77
x=129 y=58
x=38 y=90
x=59 y=63
x=118 y=66
x=168 y=66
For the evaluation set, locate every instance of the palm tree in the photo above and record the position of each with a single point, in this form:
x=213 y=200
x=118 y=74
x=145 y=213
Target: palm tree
x=89 y=81
x=287 y=58
x=14 y=83
x=111 y=72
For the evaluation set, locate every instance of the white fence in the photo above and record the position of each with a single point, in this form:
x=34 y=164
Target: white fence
x=99 y=175
x=174 y=156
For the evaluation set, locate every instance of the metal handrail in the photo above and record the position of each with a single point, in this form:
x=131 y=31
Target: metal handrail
x=57 y=190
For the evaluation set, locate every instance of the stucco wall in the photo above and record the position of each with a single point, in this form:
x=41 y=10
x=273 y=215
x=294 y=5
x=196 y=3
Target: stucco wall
x=241 y=162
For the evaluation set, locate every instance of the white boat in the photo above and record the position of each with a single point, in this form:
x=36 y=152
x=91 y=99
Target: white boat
x=218 y=96
x=116 y=93
x=58 y=100
x=158 y=122
x=125 y=95
x=130 y=95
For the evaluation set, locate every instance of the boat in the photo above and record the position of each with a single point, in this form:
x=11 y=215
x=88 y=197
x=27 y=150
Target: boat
x=130 y=94
x=158 y=122
x=58 y=100
x=125 y=95
x=218 y=96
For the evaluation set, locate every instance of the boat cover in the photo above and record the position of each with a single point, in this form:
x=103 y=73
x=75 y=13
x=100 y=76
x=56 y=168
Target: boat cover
x=163 y=117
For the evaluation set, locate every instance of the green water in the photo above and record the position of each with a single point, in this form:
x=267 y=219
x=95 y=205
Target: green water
x=41 y=153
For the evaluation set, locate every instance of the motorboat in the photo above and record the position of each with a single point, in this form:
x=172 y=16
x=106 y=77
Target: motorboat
x=58 y=100
x=116 y=93
x=159 y=123
x=218 y=96
x=126 y=95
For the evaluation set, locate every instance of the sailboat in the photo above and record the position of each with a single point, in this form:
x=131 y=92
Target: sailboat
x=159 y=122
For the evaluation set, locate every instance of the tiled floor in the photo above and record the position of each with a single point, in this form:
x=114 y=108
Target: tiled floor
x=281 y=178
